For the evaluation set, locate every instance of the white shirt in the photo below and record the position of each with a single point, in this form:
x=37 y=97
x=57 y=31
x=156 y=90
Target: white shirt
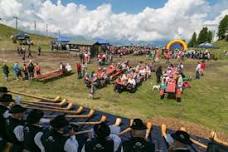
x=38 y=142
x=132 y=81
x=198 y=67
x=19 y=133
x=71 y=145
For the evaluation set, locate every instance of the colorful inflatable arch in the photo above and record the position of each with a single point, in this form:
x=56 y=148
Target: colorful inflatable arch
x=182 y=43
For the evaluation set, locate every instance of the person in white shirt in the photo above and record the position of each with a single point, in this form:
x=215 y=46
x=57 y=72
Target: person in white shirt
x=68 y=67
x=198 y=70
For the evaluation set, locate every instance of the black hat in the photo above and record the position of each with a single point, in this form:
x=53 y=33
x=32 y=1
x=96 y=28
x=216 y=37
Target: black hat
x=102 y=130
x=182 y=137
x=138 y=125
x=6 y=98
x=34 y=116
x=3 y=90
x=3 y=109
x=17 y=109
x=59 y=122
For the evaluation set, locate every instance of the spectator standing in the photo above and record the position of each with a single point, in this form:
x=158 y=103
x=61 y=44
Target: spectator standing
x=25 y=71
x=159 y=74
x=37 y=69
x=81 y=57
x=84 y=68
x=198 y=68
x=79 y=70
x=39 y=51
x=17 y=70
x=202 y=67
x=5 y=70
x=29 y=51
x=31 y=70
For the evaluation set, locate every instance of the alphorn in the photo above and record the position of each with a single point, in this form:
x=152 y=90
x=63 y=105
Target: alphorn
x=60 y=104
x=127 y=129
x=78 y=111
x=36 y=97
x=69 y=106
x=117 y=123
x=164 y=133
x=149 y=126
x=89 y=115
x=193 y=140
x=103 y=119
x=213 y=137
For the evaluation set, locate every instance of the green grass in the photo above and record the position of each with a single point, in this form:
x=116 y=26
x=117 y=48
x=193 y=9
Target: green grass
x=205 y=103
x=6 y=42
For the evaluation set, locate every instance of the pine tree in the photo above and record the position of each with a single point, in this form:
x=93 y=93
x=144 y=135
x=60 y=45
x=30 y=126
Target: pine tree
x=223 y=27
x=203 y=36
x=209 y=36
x=193 y=41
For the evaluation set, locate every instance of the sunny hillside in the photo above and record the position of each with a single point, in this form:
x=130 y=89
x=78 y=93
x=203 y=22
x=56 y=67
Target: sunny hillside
x=6 y=42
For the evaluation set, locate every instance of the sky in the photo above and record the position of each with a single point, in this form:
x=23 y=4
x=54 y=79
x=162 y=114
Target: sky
x=133 y=20
x=129 y=6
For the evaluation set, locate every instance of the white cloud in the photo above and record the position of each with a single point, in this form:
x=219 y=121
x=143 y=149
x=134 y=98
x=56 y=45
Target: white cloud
x=178 y=18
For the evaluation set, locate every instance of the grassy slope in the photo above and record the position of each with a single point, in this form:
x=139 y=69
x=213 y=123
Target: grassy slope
x=205 y=103
x=6 y=43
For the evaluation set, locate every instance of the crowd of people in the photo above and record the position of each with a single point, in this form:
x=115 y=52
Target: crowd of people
x=132 y=77
x=172 y=80
x=26 y=52
x=31 y=135
x=199 y=55
x=24 y=72
x=27 y=130
x=85 y=56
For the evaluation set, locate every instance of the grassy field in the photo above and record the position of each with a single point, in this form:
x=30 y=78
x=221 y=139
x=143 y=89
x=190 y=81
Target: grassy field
x=205 y=104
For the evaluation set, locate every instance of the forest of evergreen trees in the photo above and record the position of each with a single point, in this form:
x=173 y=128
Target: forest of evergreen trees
x=206 y=35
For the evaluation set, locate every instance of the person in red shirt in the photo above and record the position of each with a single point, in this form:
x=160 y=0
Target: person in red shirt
x=202 y=67
x=37 y=69
x=79 y=70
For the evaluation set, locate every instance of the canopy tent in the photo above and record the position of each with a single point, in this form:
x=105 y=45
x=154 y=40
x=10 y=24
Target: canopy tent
x=206 y=45
x=22 y=36
x=62 y=39
x=82 y=42
x=100 y=41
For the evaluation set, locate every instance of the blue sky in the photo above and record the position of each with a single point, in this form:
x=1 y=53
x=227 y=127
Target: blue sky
x=129 y=6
